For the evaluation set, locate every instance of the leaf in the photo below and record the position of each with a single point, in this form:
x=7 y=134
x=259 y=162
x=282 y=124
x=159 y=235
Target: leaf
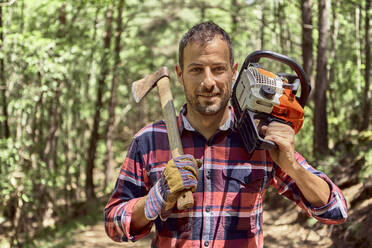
x=312 y=221
x=25 y=198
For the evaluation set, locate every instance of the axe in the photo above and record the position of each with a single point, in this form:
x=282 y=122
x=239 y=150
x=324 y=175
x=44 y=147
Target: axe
x=140 y=88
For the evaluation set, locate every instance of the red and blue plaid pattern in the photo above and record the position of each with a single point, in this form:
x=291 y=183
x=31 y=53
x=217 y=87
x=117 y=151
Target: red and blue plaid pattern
x=155 y=201
x=229 y=196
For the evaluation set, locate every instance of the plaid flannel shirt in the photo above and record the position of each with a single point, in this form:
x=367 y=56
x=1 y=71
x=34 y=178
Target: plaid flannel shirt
x=229 y=197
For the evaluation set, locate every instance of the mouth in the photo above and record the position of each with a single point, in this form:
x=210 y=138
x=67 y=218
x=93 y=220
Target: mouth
x=208 y=95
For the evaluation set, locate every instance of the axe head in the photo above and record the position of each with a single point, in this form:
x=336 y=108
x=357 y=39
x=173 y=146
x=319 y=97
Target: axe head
x=141 y=87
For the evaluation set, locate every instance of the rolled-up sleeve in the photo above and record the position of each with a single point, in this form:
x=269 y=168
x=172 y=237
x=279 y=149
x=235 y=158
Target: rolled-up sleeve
x=334 y=212
x=130 y=187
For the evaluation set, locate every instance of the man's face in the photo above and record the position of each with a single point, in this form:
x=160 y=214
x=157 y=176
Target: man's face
x=207 y=76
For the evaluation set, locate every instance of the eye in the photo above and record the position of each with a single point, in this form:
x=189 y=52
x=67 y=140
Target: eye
x=195 y=69
x=220 y=69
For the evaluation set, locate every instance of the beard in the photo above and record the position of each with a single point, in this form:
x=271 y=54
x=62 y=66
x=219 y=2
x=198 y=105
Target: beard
x=206 y=106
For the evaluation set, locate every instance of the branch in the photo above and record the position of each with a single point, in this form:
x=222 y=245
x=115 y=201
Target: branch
x=354 y=3
x=7 y=3
x=208 y=6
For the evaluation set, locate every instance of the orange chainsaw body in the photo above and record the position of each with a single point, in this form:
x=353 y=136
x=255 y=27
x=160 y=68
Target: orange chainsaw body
x=289 y=110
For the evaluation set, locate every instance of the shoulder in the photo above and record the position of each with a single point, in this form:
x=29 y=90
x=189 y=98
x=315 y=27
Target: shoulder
x=151 y=129
x=152 y=137
x=151 y=145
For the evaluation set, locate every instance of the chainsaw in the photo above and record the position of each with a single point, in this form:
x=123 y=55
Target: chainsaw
x=260 y=97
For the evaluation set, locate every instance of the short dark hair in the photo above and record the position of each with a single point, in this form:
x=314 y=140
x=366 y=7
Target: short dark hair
x=203 y=33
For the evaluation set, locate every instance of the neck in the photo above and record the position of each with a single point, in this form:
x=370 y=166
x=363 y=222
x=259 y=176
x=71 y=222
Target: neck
x=207 y=125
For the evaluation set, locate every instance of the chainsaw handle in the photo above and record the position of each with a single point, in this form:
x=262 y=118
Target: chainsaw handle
x=305 y=85
x=256 y=141
x=266 y=119
x=267 y=144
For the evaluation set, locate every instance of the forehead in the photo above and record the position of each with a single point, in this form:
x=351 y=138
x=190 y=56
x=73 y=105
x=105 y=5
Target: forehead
x=215 y=50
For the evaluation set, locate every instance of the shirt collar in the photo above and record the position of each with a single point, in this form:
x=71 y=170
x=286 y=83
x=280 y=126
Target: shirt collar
x=185 y=124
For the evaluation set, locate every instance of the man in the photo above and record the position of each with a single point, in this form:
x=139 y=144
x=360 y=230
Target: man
x=230 y=185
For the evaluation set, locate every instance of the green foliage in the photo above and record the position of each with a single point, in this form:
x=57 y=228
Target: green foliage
x=11 y=174
x=53 y=53
x=364 y=141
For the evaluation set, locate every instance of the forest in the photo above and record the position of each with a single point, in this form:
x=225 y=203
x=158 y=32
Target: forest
x=68 y=116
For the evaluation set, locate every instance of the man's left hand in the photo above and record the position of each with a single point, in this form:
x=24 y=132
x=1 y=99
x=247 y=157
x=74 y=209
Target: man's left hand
x=282 y=135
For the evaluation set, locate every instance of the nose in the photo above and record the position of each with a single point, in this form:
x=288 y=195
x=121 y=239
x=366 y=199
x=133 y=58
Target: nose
x=209 y=81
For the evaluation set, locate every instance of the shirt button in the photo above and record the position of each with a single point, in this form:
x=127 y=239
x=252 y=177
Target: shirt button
x=208 y=176
x=206 y=243
x=208 y=209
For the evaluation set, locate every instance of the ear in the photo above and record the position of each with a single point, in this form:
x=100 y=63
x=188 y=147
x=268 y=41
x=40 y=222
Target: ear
x=179 y=74
x=235 y=70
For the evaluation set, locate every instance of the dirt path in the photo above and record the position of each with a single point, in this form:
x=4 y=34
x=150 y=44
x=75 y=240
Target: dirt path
x=95 y=236
x=281 y=229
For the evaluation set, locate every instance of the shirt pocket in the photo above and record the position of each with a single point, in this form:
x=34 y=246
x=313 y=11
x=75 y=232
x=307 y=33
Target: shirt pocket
x=245 y=180
x=244 y=197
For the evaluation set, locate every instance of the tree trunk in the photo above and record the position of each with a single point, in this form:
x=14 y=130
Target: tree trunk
x=307 y=39
x=291 y=44
x=22 y=26
x=62 y=21
x=263 y=26
x=367 y=92
x=320 y=145
x=50 y=149
x=235 y=7
x=89 y=185
x=5 y=125
x=79 y=144
x=358 y=50
x=280 y=20
x=203 y=9
x=91 y=56
x=84 y=126
x=67 y=176
x=275 y=34
x=39 y=126
x=332 y=56
x=109 y=170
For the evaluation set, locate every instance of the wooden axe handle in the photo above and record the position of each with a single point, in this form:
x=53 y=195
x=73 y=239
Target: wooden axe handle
x=186 y=199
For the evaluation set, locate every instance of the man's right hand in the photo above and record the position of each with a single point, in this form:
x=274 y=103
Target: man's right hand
x=180 y=174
